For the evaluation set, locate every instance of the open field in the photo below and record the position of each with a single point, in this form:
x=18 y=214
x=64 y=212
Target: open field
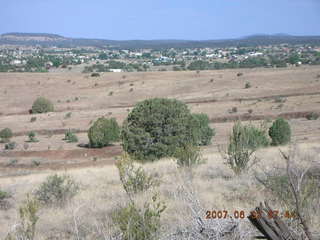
x=289 y=92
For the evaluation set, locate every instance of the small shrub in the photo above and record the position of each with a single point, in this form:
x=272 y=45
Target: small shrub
x=280 y=100
x=56 y=190
x=42 y=105
x=103 y=132
x=33 y=119
x=312 y=116
x=239 y=74
x=70 y=137
x=250 y=111
x=36 y=162
x=280 y=132
x=243 y=142
x=5 y=135
x=32 y=137
x=110 y=93
x=247 y=85
x=28 y=214
x=95 y=74
x=205 y=131
x=139 y=224
x=12 y=162
x=68 y=115
x=188 y=156
x=131 y=90
x=10 y=146
x=134 y=179
x=233 y=110
x=4 y=203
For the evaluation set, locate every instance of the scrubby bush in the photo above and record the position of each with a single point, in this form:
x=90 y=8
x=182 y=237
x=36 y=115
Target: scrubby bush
x=95 y=74
x=103 y=132
x=32 y=137
x=42 y=105
x=68 y=115
x=155 y=128
x=56 y=190
x=243 y=142
x=188 y=156
x=134 y=179
x=205 y=131
x=312 y=116
x=239 y=74
x=280 y=132
x=28 y=213
x=247 y=85
x=4 y=203
x=6 y=134
x=10 y=146
x=70 y=137
x=33 y=119
x=139 y=223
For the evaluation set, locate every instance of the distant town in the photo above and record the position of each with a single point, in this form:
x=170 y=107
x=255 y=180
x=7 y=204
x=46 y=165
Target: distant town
x=91 y=59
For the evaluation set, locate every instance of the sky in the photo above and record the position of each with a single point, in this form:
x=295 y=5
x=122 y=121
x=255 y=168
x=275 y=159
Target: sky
x=160 y=19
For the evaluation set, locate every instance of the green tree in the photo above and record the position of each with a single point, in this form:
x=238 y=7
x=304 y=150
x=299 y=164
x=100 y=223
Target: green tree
x=155 y=128
x=103 y=132
x=280 y=132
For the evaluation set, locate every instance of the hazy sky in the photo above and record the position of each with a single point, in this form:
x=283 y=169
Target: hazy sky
x=160 y=19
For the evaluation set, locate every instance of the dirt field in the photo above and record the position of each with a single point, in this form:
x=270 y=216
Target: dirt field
x=290 y=93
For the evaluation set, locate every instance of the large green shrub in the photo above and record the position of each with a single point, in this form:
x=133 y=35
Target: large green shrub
x=42 y=105
x=6 y=134
x=56 y=190
x=280 y=132
x=205 y=131
x=155 y=128
x=103 y=132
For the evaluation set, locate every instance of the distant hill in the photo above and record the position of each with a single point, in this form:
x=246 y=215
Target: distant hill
x=45 y=39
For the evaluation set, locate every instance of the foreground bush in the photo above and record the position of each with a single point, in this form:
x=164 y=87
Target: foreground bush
x=280 y=132
x=56 y=190
x=139 y=224
x=243 y=142
x=188 y=156
x=134 y=179
x=155 y=128
x=42 y=105
x=6 y=134
x=26 y=228
x=103 y=132
x=205 y=131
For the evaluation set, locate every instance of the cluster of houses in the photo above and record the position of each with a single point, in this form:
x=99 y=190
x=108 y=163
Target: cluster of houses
x=55 y=57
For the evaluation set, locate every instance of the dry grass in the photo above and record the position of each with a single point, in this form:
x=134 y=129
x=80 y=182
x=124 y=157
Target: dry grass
x=212 y=186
